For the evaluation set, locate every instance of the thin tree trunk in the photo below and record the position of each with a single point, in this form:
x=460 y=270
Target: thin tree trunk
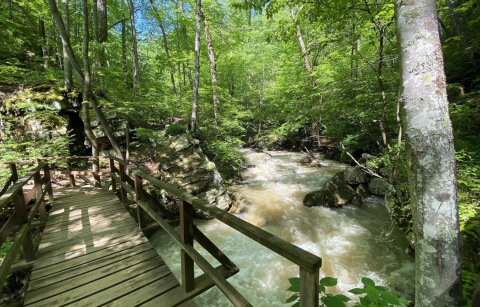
x=197 y=64
x=303 y=48
x=184 y=31
x=67 y=67
x=430 y=155
x=78 y=72
x=41 y=31
x=213 y=67
x=136 y=69
x=382 y=88
x=101 y=28
x=124 y=49
x=165 y=45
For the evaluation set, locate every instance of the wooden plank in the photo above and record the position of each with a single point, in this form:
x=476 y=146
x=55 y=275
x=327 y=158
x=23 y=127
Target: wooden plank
x=21 y=265
x=177 y=296
x=139 y=196
x=230 y=292
x=70 y=176
x=53 y=225
x=93 y=212
x=153 y=200
x=74 y=271
x=108 y=204
x=134 y=291
x=85 y=239
x=5 y=187
x=72 y=284
x=84 y=222
x=96 y=286
x=80 y=232
x=39 y=195
x=213 y=249
x=51 y=265
x=30 y=195
x=188 y=303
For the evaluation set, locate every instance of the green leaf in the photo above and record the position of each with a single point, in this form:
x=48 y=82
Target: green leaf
x=294 y=281
x=383 y=289
x=332 y=301
x=372 y=293
x=297 y=304
x=368 y=282
x=342 y=297
x=328 y=282
x=389 y=298
x=294 y=288
x=357 y=291
x=321 y=289
x=292 y=298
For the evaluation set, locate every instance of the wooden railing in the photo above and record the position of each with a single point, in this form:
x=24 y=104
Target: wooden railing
x=23 y=216
x=309 y=264
x=128 y=180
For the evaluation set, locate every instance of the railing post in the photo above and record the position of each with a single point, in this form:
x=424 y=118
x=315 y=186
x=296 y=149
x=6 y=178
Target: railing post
x=13 y=169
x=42 y=211
x=186 y=235
x=309 y=288
x=46 y=174
x=70 y=176
x=121 y=168
x=139 y=196
x=96 y=168
x=112 y=171
x=21 y=213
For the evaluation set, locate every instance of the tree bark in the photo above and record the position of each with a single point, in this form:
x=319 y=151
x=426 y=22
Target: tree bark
x=213 y=67
x=67 y=67
x=306 y=60
x=430 y=155
x=185 y=37
x=124 y=49
x=101 y=22
x=197 y=65
x=43 y=40
x=78 y=72
x=165 y=45
x=136 y=69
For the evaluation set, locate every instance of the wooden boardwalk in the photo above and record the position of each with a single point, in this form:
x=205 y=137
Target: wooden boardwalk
x=93 y=254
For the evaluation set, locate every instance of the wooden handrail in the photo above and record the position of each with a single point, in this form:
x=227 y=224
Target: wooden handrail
x=22 y=217
x=285 y=249
x=309 y=264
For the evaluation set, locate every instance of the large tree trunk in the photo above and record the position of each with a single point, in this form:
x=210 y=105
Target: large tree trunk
x=430 y=154
x=124 y=49
x=306 y=60
x=67 y=67
x=165 y=45
x=213 y=68
x=197 y=65
x=136 y=69
x=101 y=22
x=78 y=72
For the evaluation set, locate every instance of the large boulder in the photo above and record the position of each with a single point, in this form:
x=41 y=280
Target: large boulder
x=354 y=175
x=380 y=187
x=335 y=194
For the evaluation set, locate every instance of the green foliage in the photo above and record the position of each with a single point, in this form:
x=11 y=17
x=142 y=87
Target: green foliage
x=375 y=295
x=175 y=129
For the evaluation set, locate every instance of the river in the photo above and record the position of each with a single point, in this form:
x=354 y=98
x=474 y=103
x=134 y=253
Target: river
x=352 y=242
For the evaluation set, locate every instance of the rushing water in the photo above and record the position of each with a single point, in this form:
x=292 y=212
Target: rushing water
x=351 y=241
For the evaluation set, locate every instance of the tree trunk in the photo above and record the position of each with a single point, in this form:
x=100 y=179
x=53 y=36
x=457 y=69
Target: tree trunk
x=165 y=45
x=213 y=68
x=382 y=87
x=303 y=48
x=184 y=31
x=43 y=40
x=136 y=69
x=197 y=65
x=101 y=22
x=78 y=71
x=430 y=154
x=67 y=67
x=124 y=50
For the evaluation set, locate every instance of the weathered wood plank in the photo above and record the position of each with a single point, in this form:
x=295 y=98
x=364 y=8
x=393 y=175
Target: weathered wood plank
x=17 y=186
x=55 y=224
x=72 y=284
x=93 y=287
x=51 y=265
x=134 y=291
x=86 y=222
x=12 y=252
x=85 y=268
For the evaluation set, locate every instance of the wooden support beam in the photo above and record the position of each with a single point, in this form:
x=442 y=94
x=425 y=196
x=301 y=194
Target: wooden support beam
x=139 y=196
x=69 y=173
x=213 y=249
x=186 y=235
x=46 y=179
x=309 y=288
x=42 y=210
x=123 y=176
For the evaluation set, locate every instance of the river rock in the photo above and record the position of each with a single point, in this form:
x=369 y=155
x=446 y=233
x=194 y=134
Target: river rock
x=354 y=175
x=379 y=186
x=362 y=191
x=261 y=145
x=239 y=203
x=335 y=194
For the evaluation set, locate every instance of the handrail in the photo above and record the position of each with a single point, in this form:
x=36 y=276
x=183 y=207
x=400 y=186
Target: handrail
x=293 y=253
x=309 y=263
x=22 y=217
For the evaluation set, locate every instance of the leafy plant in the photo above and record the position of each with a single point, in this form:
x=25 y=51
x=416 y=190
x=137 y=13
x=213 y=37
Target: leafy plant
x=375 y=296
x=175 y=129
